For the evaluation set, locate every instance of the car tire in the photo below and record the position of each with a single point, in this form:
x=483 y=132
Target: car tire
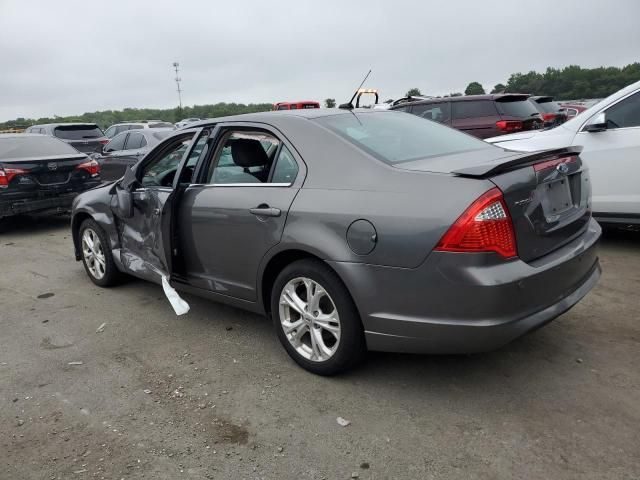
x=98 y=261
x=328 y=338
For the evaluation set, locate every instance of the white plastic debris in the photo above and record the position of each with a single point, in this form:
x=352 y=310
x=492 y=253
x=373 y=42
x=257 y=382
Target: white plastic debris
x=101 y=328
x=179 y=305
x=147 y=391
x=75 y=363
x=343 y=422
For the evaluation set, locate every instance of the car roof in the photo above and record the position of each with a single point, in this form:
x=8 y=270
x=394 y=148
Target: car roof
x=276 y=117
x=20 y=135
x=65 y=124
x=464 y=98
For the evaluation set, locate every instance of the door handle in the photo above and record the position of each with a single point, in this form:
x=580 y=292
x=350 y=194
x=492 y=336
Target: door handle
x=265 y=211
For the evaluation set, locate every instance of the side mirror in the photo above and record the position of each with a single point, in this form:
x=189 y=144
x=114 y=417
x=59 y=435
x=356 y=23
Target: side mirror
x=597 y=123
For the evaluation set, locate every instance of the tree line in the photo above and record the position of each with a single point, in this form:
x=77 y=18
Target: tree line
x=568 y=83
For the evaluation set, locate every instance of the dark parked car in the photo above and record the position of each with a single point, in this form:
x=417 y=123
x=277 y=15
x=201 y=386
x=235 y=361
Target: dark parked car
x=84 y=137
x=117 y=128
x=125 y=149
x=40 y=173
x=552 y=113
x=482 y=116
x=353 y=230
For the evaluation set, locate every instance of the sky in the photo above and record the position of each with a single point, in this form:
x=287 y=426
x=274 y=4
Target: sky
x=70 y=57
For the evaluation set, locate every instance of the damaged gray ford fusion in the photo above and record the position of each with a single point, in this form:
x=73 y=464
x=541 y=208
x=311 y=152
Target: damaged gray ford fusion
x=353 y=230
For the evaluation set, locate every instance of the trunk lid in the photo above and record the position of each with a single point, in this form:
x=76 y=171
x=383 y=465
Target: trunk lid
x=53 y=173
x=547 y=193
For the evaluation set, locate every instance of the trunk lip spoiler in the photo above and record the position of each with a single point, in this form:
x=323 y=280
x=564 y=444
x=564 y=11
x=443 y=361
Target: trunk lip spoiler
x=53 y=158
x=523 y=159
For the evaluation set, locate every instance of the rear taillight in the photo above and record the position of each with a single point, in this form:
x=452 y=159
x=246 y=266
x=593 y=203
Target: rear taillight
x=91 y=167
x=7 y=174
x=484 y=227
x=509 y=125
x=553 y=163
x=103 y=142
x=548 y=117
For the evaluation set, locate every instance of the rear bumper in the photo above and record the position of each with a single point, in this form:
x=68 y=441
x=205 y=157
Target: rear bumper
x=59 y=203
x=468 y=303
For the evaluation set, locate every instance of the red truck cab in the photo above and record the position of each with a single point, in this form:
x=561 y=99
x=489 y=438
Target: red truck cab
x=295 y=105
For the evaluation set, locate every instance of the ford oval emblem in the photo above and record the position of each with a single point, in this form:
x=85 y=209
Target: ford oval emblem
x=52 y=166
x=563 y=168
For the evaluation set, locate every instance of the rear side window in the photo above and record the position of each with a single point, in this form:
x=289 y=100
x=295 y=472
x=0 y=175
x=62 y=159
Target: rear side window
x=396 y=138
x=30 y=147
x=473 y=109
x=135 y=141
x=78 y=132
x=286 y=169
x=116 y=144
x=520 y=107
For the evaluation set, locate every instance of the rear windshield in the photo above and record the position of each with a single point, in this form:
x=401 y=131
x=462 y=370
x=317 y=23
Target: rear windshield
x=29 y=147
x=162 y=134
x=396 y=137
x=161 y=125
x=78 y=132
x=521 y=107
x=548 y=106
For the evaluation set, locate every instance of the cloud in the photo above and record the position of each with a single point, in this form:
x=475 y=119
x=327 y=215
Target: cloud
x=70 y=57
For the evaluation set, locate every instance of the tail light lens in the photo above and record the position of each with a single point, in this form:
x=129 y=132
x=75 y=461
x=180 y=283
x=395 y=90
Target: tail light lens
x=509 y=125
x=7 y=174
x=548 y=117
x=484 y=227
x=103 y=142
x=92 y=167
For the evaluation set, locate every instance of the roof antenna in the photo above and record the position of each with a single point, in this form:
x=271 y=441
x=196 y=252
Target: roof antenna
x=349 y=105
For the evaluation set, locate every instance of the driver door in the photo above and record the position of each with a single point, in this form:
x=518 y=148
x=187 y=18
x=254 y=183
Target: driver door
x=144 y=237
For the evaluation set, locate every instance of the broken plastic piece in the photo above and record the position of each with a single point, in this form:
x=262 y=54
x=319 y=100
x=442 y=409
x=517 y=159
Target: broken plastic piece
x=179 y=305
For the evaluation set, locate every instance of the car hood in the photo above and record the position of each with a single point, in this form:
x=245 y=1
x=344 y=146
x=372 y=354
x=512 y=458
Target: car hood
x=532 y=141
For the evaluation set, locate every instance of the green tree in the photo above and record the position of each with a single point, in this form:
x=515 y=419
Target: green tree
x=474 y=88
x=499 y=88
x=413 y=92
x=330 y=103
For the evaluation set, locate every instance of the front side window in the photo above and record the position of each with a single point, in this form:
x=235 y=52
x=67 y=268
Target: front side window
x=473 y=109
x=244 y=157
x=395 y=138
x=624 y=114
x=160 y=171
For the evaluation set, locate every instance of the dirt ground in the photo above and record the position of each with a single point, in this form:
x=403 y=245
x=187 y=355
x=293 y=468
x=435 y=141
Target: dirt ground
x=213 y=395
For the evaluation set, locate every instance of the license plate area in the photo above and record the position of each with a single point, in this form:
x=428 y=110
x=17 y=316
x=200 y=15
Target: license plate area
x=560 y=197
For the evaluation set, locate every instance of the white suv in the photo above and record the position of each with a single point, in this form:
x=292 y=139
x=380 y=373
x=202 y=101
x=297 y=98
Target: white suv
x=609 y=133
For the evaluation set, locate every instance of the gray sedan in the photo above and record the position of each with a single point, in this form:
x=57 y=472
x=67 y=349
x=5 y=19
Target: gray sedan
x=352 y=230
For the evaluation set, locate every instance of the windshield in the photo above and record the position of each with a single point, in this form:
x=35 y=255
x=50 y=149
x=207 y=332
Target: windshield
x=78 y=132
x=396 y=137
x=33 y=146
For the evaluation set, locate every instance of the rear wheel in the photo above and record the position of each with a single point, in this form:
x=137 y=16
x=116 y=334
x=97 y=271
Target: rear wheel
x=96 y=255
x=316 y=319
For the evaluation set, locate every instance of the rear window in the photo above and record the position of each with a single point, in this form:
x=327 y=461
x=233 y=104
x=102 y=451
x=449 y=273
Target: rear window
x=161 y=125
x=548 y=106
x=520 y=107
x=30 y=147
x=162 y=134
x=473 y=109
x=395 y=137
x=78 y=132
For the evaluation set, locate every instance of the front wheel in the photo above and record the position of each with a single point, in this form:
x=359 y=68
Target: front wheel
x=96 y=255
x=315 y=318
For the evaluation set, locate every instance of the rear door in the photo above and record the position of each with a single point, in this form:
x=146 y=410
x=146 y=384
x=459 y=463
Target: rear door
x=237 y=209
x=475 y=117
x=113 y=159
x=84 y=138
x=146 y=237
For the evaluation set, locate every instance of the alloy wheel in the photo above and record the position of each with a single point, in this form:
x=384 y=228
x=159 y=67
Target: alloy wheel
x=93 y=253
x=309 y=319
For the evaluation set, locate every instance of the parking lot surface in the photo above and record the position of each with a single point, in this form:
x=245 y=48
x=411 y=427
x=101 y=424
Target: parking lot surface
x=109 y=383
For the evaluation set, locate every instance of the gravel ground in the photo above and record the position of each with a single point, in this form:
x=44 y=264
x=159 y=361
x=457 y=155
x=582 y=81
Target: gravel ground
x=213 y=395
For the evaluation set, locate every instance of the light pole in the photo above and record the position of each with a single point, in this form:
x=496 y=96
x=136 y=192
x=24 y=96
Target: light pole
x=176 y=66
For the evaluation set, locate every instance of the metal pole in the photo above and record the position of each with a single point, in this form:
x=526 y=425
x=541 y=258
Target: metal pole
x=176 y=65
